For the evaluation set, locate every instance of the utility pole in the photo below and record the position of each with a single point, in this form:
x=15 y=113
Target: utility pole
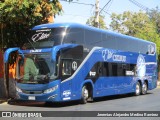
x=97 y=14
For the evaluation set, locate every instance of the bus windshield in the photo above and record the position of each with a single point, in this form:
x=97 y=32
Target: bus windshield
x=35 y=68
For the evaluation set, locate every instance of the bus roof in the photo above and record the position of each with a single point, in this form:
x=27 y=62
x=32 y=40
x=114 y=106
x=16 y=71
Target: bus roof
x=77 y=25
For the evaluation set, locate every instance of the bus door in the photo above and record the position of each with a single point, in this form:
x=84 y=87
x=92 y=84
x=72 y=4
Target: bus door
x=70 y=60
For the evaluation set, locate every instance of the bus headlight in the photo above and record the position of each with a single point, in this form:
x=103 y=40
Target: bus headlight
x=18 y=89
x=51 y=89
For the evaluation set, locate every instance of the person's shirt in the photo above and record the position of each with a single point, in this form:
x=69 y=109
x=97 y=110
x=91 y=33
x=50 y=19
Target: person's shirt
x=29 y=69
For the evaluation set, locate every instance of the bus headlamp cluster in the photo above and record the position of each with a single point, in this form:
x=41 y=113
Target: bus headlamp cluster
x=51 y=89
x=18 y=89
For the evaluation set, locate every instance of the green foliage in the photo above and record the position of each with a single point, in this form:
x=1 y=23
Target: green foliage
x=102 y=24
x=154 y=15
x=18 y=16
x=137 y=24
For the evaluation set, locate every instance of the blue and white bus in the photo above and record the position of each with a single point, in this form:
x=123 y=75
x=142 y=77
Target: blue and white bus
x=70 y=61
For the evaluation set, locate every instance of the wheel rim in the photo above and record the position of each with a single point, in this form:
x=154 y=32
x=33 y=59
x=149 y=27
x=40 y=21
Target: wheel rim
x=137 y=89
x=144 y=88
x=85 y=94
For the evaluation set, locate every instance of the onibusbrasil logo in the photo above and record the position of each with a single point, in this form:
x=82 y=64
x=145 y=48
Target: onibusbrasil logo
x=141 y=66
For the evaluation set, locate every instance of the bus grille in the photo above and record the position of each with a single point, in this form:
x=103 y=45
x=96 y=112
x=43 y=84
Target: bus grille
x=32 y=92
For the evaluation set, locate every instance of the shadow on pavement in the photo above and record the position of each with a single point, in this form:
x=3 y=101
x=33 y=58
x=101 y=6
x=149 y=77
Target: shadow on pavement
x=114 y=97
x=65 y=104
x=41 y=104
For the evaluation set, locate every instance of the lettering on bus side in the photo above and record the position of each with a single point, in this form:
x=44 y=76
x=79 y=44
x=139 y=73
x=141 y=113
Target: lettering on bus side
x=36 y=50
x=93 y=74
x=119 y=58
x=108 y=54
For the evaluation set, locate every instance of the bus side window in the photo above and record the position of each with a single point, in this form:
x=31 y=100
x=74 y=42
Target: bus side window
x=66 y=67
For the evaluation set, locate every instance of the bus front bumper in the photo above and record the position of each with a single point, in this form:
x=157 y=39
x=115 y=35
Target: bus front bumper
x=53 y=96
x=39 y=92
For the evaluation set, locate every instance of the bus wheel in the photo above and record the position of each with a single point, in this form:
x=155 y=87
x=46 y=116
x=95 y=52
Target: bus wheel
x=85 y=95
x=138 y=89
x=144 y=88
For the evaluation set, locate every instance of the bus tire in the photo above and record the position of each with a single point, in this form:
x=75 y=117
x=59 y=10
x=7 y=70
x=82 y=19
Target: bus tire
x=144 y=88
x=138 y=89
x=85 y=95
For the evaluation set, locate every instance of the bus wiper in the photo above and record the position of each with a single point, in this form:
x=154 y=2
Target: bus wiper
x=31 y=44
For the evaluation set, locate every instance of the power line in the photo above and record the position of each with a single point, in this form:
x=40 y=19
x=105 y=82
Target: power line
x=90 y=5
x=77 y=15
x=105 y=12
x=105 y=5
x=78 y=3
x=107 y=8
x=140 y=5
x=101 y=9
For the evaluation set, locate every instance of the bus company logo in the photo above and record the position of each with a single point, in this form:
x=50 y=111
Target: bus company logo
x=40 y=36
x=151 y=49
x=141 y=66
x=66 y=93
x=74 y=65
x=6 y=114
x=107 y=54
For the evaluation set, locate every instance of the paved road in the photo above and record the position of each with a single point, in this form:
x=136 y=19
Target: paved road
x=148 y=102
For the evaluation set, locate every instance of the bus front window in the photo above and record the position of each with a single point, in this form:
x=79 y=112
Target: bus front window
x=35 y=68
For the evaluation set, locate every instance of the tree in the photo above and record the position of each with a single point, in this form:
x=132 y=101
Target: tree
x=154 y=15
x=137 y=24
x=102 y=24
x=18 y=16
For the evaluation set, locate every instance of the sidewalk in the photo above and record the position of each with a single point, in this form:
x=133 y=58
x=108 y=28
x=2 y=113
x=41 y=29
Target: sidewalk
x=2 y=100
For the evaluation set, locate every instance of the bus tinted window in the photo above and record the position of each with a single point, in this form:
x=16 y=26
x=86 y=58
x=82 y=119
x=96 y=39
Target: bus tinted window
x=74 y=35
x=109 y=41
x=109 y=69
x=93 y=38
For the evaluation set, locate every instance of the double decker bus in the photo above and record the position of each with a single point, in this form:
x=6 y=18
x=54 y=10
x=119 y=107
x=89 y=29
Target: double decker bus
x=70 y=61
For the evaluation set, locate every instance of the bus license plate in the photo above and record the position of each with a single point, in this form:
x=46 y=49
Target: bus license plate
x=31 y=98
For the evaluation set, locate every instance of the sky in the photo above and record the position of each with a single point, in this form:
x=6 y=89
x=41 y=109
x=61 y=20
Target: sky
x=79 y=13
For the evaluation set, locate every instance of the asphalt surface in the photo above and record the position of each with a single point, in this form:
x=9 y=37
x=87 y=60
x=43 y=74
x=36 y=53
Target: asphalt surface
x=148 y=102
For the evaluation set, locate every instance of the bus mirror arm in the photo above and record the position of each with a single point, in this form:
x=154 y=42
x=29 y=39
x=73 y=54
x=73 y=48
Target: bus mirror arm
x=9 y=51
